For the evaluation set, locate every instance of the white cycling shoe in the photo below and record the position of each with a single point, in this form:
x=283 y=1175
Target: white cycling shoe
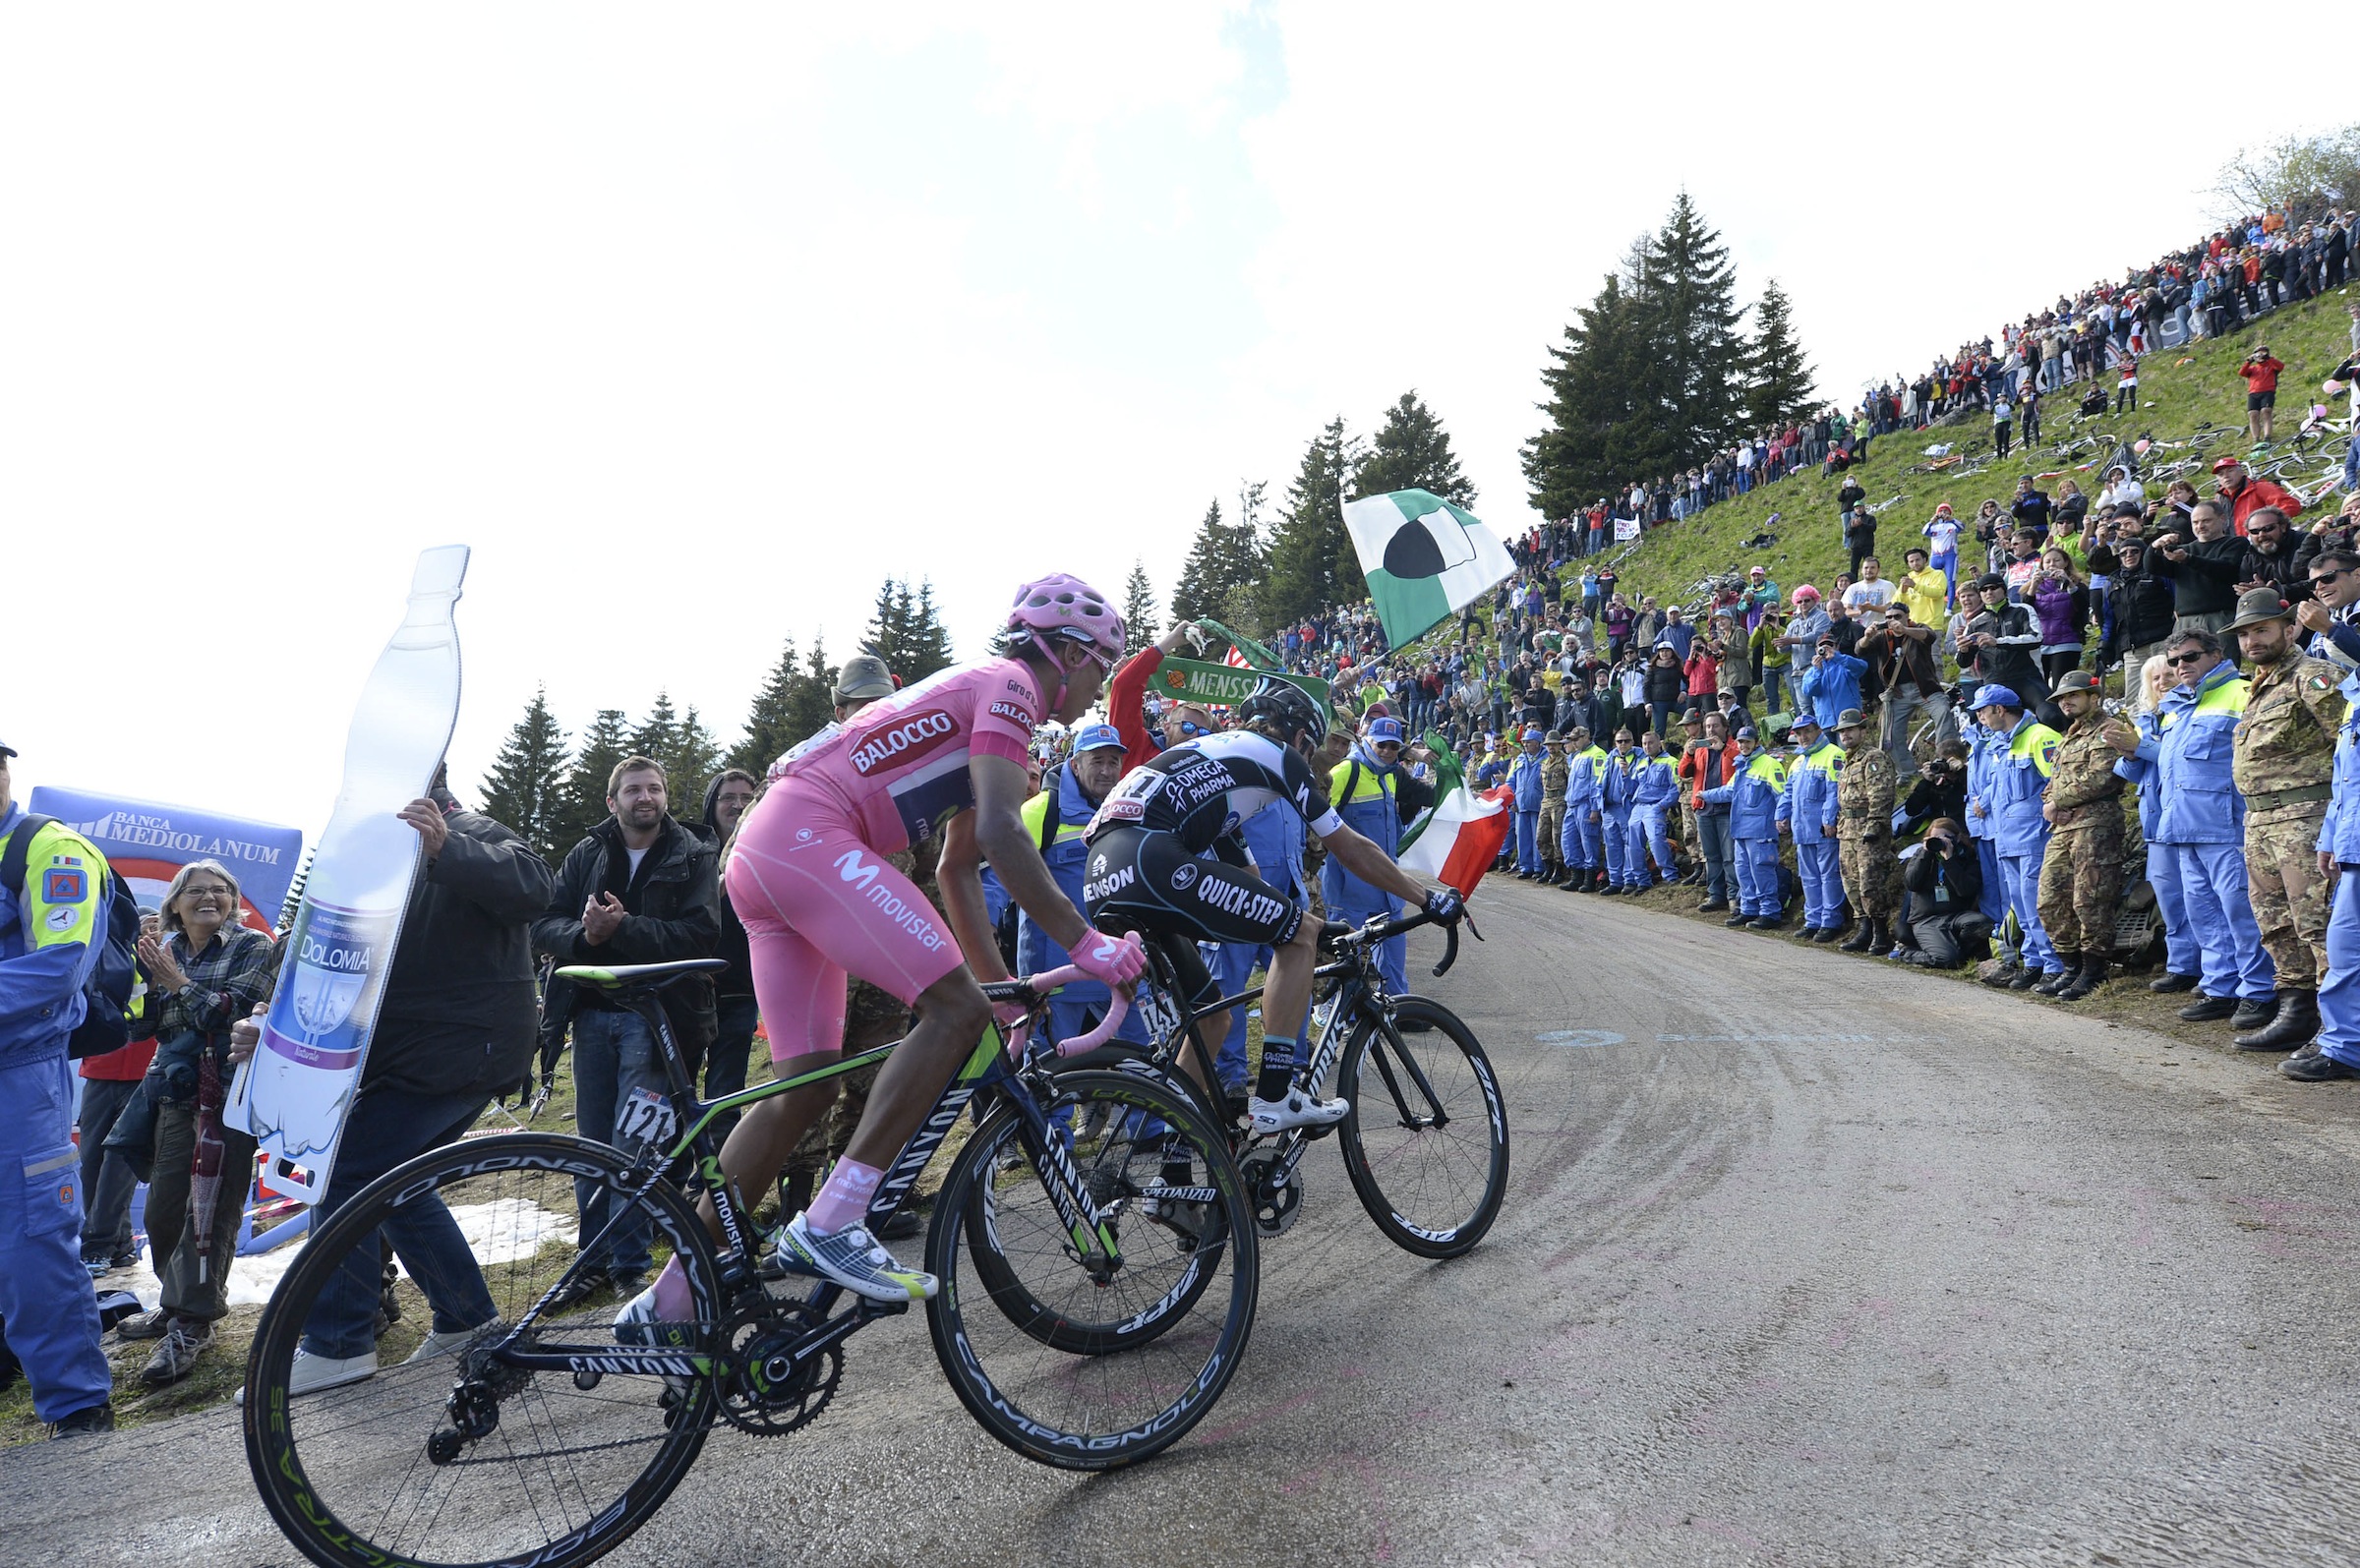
x=1298 y=1109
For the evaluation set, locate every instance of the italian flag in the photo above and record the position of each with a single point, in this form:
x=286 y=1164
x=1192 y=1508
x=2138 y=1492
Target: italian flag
x=1425 y=560
x=1456 y=839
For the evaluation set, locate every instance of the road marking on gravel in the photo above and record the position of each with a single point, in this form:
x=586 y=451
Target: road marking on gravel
x=1579 y=1039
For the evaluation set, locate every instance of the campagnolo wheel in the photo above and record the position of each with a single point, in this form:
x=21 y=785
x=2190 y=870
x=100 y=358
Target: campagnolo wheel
x=1066 y=1368
x=1426 y=1140
x=449 y=1455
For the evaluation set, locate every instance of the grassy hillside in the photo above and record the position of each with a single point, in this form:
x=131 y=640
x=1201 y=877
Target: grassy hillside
x=2179 y=389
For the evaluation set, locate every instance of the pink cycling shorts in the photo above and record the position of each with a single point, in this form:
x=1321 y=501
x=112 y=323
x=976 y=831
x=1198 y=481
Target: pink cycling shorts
x=817 y=904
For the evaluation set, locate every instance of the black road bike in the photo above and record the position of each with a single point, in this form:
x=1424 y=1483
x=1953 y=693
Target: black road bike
x=1426 y=1140
x=1094 y=1305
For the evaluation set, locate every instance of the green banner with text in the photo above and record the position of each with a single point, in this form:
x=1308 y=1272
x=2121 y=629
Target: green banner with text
x=1223 y=685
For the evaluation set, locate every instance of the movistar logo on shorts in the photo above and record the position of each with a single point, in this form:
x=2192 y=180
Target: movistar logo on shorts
x=849 y=866
x=915 y=918
x=904 y=742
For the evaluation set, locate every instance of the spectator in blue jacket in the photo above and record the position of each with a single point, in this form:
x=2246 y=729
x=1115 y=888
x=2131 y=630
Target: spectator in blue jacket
x=2016 y=780
x=1755 y=792
x=1524 y=776
x=50 y=931
x=1617 y=792
x=1830 y=683
x=1655 y=789
x=1809 y=813
x=2338 y=1050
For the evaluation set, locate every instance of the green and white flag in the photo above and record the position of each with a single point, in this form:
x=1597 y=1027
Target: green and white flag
x=1425 y=560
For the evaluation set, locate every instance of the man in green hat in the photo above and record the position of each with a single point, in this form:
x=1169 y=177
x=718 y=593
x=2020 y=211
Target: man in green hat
x=2081 y=873
x=1556 y=774
x=1864 y=835
x=2283 y=761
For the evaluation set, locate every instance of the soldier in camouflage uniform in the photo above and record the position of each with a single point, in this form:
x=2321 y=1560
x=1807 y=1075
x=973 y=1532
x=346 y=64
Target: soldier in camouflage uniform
x=1864 y=835
x=1556 y=773
x=2283 y=764
x=2081 y=873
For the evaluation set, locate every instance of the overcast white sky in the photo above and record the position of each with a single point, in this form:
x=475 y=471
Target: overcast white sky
x=696 y=323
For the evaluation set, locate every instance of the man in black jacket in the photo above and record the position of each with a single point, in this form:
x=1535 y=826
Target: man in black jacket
x=639 y=888
x=2139 y=609
x=456 y=1027
x=2203 y=571
x=735 y=1014
x=2275 y=556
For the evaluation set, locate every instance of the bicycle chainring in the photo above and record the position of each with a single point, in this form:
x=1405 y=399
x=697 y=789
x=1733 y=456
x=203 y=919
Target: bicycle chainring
x=763 y=1389
x=1275 y=1204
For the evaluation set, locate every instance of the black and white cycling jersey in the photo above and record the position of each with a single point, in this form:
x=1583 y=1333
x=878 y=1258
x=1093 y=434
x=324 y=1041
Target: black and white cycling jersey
x=1198 y=792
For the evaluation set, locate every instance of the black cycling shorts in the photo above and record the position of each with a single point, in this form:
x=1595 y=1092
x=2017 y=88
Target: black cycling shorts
x=1141 y=880
x=2254 y=400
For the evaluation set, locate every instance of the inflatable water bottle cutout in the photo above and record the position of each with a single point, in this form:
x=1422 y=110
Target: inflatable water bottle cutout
x=293 y=1095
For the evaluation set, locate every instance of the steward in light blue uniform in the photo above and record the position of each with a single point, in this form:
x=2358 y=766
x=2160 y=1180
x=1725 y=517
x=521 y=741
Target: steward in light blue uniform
x=1616 y=792
x=1584 y=837
x=2180 y=955
x=1755 y=791
x=2017 y=779
x=2338 y=1053
x=1055 y=817
x=50 y=932
x=1983 y=750
x=1524 y=778
x=1810 y=812
x=1655 y=789
x=1369 y=789
x=2185 y=747
x=1274 y=838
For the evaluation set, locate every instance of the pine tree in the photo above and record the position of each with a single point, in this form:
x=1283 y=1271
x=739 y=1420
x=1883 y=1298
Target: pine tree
x=583 y=806
x=1689 y=287
x=1606 y=418
x=795 y=700
x=1312 y=562
x=1412 y=451
x=659 y=733
x=1139 y=606
x=526 y=790
x=695 y=758
x=906 y=630
x=1206 y=576
x=1779 y=379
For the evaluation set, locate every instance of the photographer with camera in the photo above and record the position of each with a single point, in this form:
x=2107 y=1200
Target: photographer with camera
x=1944 y=879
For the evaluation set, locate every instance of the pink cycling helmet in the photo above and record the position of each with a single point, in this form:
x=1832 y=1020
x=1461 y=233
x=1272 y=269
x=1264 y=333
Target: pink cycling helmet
x=1069 y=610
x=1806 y=590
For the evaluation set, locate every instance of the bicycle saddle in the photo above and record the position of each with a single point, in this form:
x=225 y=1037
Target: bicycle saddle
x=629 y=975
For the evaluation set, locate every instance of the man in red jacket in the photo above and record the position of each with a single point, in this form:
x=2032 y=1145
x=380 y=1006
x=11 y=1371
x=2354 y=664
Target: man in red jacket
x=2261 y=373
x=1126 y=702
x=2242 y=494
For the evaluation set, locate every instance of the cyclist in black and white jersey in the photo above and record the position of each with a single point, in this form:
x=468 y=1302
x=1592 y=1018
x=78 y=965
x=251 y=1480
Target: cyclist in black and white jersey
x=1149 y=869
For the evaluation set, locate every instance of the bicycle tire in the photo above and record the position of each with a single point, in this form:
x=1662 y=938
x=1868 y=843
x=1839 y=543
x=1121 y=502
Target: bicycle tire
x=1035 y=1400
x=332 y=1501
x=1371 y=1045
x=1101 y=1168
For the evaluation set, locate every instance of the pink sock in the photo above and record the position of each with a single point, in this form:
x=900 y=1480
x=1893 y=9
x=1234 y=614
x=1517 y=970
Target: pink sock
x=845 y=1197
x=671 y=1295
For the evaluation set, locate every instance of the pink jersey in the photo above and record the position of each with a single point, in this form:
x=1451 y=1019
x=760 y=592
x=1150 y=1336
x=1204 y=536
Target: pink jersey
x=899 y=766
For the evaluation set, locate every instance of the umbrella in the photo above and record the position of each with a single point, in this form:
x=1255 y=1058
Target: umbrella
x=204 y=1170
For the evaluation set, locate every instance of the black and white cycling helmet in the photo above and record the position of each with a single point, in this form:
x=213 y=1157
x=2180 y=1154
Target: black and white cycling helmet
x=1286 y=705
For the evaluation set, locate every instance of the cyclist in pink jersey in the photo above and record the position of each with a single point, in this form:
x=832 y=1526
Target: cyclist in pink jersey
x=807 y=876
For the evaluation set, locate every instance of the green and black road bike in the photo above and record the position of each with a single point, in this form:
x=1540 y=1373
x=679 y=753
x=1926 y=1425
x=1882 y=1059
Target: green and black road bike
x=1424 y=1143
x=1094 y=1305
